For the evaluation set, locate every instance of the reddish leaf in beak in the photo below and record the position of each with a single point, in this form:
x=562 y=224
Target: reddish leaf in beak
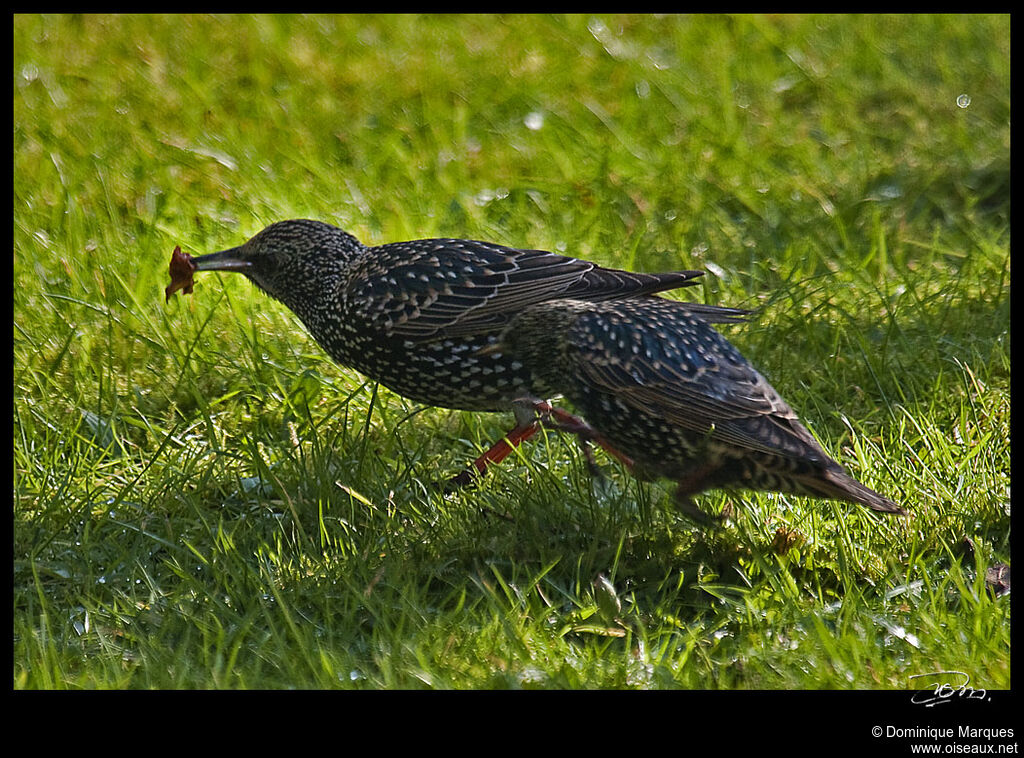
x=181 y=270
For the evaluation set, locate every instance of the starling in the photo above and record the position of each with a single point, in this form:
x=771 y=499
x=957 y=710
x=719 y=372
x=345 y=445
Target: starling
x=669 y=394
x=416 y=316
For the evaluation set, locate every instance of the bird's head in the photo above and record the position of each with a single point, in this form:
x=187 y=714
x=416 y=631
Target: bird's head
x=292 y=261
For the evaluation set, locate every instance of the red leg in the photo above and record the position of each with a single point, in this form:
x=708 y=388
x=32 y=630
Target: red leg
x=498 y=452
x=566 y=422
x=691 y=484
x=530 y=414
x=574 y=424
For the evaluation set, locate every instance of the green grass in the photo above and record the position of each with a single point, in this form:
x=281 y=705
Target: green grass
x=202 y=499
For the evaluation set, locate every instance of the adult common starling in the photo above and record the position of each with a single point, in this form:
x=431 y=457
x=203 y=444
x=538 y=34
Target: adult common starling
x=668 y=391
x=416 y=315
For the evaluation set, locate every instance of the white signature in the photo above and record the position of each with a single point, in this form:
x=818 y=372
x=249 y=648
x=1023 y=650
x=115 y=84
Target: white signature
x=946 y=686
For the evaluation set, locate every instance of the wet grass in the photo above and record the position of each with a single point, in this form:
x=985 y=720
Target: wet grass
x=202 y=500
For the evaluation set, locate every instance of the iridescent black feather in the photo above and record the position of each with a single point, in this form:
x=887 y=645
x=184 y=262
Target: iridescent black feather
x=670 y=392
x=417 y=316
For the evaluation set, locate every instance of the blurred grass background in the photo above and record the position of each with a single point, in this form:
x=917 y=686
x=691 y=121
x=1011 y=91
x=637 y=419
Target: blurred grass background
x=201 y=499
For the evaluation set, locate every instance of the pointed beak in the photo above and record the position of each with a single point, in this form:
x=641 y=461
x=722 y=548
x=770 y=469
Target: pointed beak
x=226 y=260
x=183 y=266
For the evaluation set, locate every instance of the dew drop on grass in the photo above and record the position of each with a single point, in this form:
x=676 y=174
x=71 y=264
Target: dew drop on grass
x=532 y=675
x=715 y=269
x=29 y=72
x=534 y=121
x=963 y=100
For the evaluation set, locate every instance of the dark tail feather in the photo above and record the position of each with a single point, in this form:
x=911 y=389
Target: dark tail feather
x=718 y=314
x=670 y=281
x=837 y=485
x=613 y=284
x=607 y=284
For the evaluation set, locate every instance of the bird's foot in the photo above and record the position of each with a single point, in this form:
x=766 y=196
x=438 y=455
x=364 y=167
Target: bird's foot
x=687 y=486
x=689 y=509
x=531 y=409
x=494 y=454
x=531 y=413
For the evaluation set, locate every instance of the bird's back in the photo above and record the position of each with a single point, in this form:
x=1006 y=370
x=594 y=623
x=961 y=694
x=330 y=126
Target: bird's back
x=415 y=315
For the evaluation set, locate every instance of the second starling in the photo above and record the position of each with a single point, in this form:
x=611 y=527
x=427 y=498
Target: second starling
x=665 y=389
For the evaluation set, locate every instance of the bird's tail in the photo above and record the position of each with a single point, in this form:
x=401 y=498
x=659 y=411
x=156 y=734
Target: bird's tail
x=837 y=485
x=718 y=314
x=614 y=284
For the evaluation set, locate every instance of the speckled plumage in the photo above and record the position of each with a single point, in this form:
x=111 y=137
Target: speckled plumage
x=670 y=392
x=416 y=315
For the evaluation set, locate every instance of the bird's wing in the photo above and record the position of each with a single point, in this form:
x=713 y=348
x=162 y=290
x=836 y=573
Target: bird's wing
x=666 y=361
x=456 y=287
